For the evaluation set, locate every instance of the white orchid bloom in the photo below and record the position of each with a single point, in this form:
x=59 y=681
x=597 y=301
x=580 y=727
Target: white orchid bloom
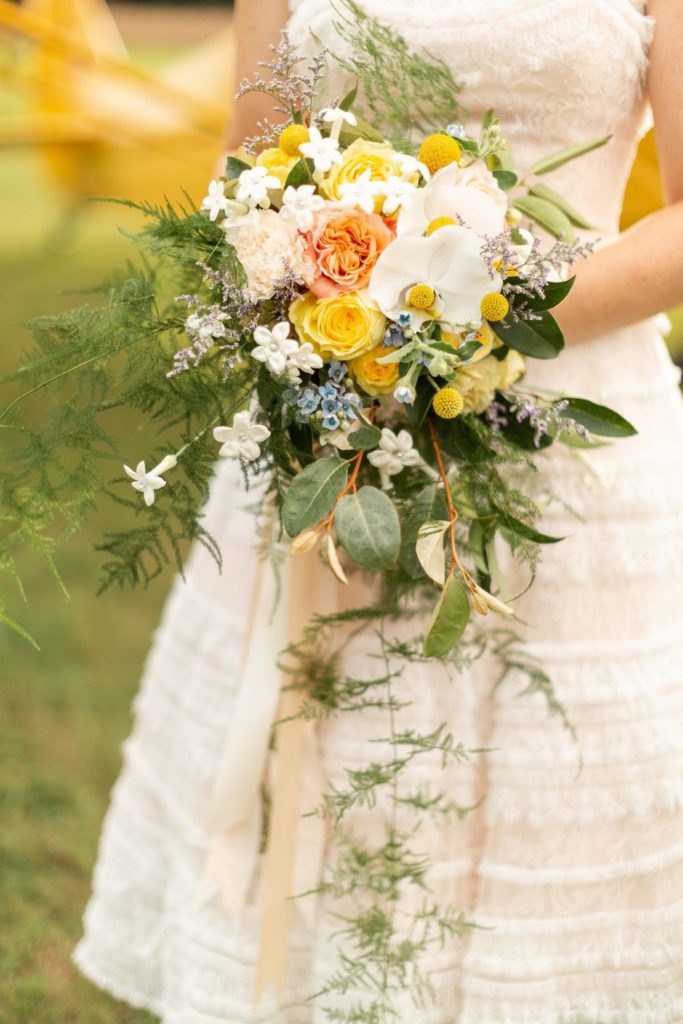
x=274 y=347
x=324 y=152
x=442 y=197
x=253 y=186
x=304 y=360
x=337 y=117
x=448 y=264
x=299 y=205
x=359 y=194
x=242 y=439
x=216 y=201
x=395 y=190
x=394 y=453
x=150 y=482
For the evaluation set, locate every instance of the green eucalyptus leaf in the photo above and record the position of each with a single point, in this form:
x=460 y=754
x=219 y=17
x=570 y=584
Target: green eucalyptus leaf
x=430 y=503
x=368 y=527
x=312 y=494
x=429 y=549
x=598 y=419
x=563 y=156
x=300 y=174
x=553 y=294
x=364 y=438
x=546 y=215
x=541 y=339
x=549 y=194
x=449 y=620
x=506 y=179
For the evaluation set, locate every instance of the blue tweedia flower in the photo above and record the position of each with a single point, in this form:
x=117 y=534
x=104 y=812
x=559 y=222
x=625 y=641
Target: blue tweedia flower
x=456 y=131
x=308 y=401
x=331 y=422
x=329 y=406
x=337 y=371
x=394 y=337
x=404 y=319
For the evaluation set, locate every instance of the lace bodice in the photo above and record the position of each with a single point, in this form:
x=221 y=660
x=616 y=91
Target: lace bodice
x=555 y=71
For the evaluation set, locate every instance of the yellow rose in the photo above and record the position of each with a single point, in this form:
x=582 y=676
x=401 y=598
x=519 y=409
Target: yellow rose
x=484 y=336
x=277 y=162
x=373 y=377
x=376 y=157
x=511 y=368
x=477 y=383
x=340 y=327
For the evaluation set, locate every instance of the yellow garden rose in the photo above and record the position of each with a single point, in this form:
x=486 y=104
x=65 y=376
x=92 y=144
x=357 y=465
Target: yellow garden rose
x=277 y=162
x=511 y=368
x=373 y=377
x=340 y=327
x=477 y=382
x=376 y=157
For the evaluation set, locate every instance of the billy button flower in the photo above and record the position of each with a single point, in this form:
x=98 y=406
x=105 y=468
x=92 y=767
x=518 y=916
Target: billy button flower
x=293 y=136
x=448 y=403
x=494 y=307
x=439 y=150
x=421 y=296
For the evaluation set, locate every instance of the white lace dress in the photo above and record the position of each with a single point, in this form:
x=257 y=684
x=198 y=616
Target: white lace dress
x=578 y=880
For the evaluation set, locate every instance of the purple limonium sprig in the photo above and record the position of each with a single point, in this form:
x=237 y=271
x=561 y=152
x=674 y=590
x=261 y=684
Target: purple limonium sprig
x=204 y=326
x=545 y=419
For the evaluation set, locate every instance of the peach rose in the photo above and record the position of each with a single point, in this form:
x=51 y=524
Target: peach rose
x=345 y=245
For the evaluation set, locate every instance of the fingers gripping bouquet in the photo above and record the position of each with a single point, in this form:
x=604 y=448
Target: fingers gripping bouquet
x=389 y=302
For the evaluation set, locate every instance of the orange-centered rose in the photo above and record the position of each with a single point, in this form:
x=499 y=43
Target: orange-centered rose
x=346 y=245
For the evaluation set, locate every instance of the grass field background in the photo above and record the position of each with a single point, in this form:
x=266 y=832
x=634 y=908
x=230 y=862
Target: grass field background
x=65 y=710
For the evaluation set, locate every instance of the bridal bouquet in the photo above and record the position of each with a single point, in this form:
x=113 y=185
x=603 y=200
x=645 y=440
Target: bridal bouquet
x=349 y=314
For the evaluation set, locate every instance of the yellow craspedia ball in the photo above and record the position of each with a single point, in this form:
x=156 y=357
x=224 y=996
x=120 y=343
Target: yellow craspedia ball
x=437 y=151
x=494 y=307
x=293 y=136
x=448 y=403
x=421 y=296
x=439 y=222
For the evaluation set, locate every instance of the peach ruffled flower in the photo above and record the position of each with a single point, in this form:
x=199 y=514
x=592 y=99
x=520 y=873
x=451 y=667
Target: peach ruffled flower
x=346 y=245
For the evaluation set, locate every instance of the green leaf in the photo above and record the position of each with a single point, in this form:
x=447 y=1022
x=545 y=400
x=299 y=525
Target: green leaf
x=520 y=529
x=368 y=527
x=350 y=98
x=423 y=400
x=543 y=192
x=598 y=419
x=300 y=174
x=465 y=351
x=546 y=215
x=361 y=130
x=506 y=179
x=541 y=339
x=449 y=620
x=554 y=293
x=364 y=438
x=430 y=503
x=234 y=167
x=312 y=494
x=459 y=440
x=430 y=551
x=563 y=156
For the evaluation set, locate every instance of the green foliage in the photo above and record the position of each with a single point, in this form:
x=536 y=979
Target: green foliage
x=312 y=494
x=408 y=94
x=567 y=153
x=540 y=339
x=368 y=527
x=449 y=620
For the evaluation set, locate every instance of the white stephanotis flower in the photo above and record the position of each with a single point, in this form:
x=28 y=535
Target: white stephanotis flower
x=395 y=191
x=242 y=439
x=274 y=347
x=394 y=453
x=446 y=268
x=337 y=117
x=253 y=186
x=410 y=165
x=324 y=152
x=304 y=360
x=239 y=215
x=150 y=482
x=359 y=194
x=299 y=205
x=216 y=201
x=465 y=204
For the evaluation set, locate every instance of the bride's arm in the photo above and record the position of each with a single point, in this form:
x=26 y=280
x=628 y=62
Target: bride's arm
x=256 y=26
x=641 y=273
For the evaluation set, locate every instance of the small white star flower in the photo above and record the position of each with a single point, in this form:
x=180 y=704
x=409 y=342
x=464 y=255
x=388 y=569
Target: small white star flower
x=395 y=451
x=337 y=117
x=359 y=194
x=394 y=190
x=239 y=215
x=411 y=165
x=242 y=439
x=304 y=360
x=216 y=202
x=299 y=205
x=324 y=152
x=149 y=483
x=274 y=347
x=253 y=185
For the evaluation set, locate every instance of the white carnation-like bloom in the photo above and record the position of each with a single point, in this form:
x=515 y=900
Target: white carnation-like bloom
x=274 y=346
x=299 y=205
x=253 y=186
x=242 y=439
x=449 y=261
x=148 y=483
x=268 y=249
x=480 y=177
x=446 y=196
